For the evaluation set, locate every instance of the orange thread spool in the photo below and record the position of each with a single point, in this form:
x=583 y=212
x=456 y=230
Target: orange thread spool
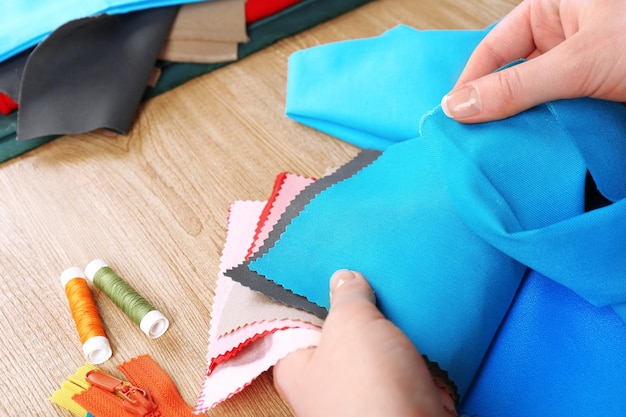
x=90 y=329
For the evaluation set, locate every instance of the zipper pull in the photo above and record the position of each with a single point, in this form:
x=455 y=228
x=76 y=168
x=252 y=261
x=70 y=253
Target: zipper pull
x=136 y=400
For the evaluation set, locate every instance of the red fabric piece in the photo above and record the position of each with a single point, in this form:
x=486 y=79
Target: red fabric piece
x=7 y=105
x=260 y=9
x=233 y=352
x=278 y=183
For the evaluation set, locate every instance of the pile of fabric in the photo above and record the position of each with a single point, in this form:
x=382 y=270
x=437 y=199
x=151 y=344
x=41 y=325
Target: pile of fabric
x=75 y=66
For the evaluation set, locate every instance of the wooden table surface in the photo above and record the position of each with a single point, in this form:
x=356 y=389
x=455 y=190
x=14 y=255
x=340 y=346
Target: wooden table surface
x=154 y=204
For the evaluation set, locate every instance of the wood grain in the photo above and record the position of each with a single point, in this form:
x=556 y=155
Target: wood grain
x=154 y=203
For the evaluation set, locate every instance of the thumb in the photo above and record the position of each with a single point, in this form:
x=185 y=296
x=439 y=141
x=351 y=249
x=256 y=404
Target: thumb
x=347 y=287
x=514 y=89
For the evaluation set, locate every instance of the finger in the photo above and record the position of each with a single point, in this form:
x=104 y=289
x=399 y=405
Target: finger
x=511 y=39
x=553 y=75
x=287 y=372
x=347 y=286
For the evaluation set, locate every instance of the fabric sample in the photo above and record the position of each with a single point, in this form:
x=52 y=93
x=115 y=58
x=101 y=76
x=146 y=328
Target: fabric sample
x=234 y=327
x=394 y=222
x=7 y=105
x=111 y=58
x=238 y=238
x=24 y=24
x=231 y=377
x=242 y=274
x=206 y=32
x=11 y=74
x=234 y=365
x=262 y=313
x=286 y=187
x=260 y=9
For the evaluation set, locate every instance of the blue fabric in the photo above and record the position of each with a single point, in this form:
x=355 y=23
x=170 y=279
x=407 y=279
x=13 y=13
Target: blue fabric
x=326 y=82
x=446 y=221
x=446 y=288
x=25 y=23
x=526 y=197
x=555 y=355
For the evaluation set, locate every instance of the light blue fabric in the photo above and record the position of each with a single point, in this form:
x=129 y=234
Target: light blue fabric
x=522 y=196
x=326 y=82
x=444 y=224
x=441 y=284
x=25 y=23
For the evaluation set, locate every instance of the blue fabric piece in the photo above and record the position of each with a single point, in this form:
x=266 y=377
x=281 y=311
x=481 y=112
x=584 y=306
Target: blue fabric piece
x=444 y=224
x=394 y=222
x=326 y=82
x=555 y=355
x=25 y=23
x=526 y=197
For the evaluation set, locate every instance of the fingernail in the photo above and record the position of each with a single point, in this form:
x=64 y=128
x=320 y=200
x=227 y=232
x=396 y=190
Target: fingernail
x=339 y=278
x=461 y=103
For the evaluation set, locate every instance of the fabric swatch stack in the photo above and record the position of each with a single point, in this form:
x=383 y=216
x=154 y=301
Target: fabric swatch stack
x=75 y=66
x=498 y=248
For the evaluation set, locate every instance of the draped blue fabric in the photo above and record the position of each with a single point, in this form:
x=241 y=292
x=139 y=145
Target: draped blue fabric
x=324 y=83
x=446 y=221
x=25 y=23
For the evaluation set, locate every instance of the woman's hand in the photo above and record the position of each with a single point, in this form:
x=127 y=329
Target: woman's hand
x=574 y=48
x=364 y=365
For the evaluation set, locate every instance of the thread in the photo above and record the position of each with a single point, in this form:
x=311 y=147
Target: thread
x=138 y=309
x=96 y=347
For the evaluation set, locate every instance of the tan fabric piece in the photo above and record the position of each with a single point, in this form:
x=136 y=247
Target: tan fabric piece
x=246 y=306
x=206 y=32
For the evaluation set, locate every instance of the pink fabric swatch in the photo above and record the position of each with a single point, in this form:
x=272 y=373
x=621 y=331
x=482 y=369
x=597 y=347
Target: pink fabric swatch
x=260 y=308
x=231 y=377
x=236 y=359
x=261 y=315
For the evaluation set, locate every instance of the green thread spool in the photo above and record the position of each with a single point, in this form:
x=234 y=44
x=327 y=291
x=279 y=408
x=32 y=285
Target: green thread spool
x=149 y=319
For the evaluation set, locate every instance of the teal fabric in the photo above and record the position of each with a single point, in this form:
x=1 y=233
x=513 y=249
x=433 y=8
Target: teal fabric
x=502 y=191
x=444 y=286
x=25 y=23
x=446 y=221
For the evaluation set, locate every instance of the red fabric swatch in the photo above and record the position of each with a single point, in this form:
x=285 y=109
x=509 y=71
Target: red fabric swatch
x=7 y=105
x=260 y=9
x=278 y=183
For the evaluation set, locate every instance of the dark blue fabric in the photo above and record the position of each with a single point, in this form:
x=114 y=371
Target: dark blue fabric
x=555 y=355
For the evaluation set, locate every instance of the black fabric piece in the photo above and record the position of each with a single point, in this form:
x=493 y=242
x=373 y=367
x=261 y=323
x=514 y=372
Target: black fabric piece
x=11 y=74
x=256 y=282
x=91 y=73
x=593 y=197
